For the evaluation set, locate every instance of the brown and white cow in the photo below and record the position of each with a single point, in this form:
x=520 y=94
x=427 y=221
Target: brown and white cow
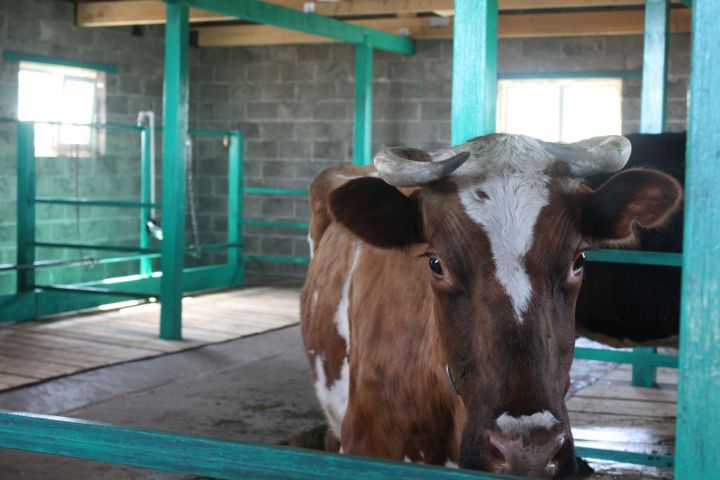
x=438 y=311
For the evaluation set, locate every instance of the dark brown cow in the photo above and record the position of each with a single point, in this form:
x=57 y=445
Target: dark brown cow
x=438 y=312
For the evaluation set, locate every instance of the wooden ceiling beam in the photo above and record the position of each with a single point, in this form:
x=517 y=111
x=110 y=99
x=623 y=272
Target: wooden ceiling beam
x=147 y=12
x=425 y=28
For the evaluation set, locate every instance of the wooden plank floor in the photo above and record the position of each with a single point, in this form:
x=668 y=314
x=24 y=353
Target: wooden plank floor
x=614 y=415
x=38 y=350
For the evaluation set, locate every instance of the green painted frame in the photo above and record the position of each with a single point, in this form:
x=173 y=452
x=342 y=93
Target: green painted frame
x=12 y=56
x=698 y=423
x=221 y=459
x=474 y=79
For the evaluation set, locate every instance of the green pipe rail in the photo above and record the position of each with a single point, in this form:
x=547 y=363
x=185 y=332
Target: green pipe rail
x=31 y=299
x=194 y=455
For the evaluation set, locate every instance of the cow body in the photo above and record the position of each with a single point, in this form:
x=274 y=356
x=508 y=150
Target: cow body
x=645 y=309
x=437 y=314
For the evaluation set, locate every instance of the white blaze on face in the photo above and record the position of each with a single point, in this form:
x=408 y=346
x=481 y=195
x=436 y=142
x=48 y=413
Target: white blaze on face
x=507 y=209
x=525 y=424
x=311 y=244
x=334 y=397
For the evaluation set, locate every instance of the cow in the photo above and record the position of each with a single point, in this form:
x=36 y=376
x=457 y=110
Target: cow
x=645 y=309
x=438 y=309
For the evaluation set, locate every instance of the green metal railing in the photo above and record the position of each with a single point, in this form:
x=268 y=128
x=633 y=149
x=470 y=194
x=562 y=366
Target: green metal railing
x=32 y=299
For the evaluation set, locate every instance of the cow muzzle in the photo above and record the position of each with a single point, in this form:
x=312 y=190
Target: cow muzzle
x=534 y=451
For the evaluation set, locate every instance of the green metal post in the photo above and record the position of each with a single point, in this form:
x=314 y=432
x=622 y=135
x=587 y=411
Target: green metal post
x=235 y=201
x=652 y=115
x=174 y=168
x=698 y=421
x=474 y=84
x=25 y=204
x=655 y=66
x=362 y=153
x=145 y=179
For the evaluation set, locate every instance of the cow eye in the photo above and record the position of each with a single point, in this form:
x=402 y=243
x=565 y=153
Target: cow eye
x=579 y=263
x=436 y=266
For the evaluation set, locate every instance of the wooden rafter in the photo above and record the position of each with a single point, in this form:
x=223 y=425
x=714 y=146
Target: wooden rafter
x=146 y=12
x=424 y=28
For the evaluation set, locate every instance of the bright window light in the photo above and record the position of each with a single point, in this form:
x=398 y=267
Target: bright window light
x=564 y=110
x=58 y=95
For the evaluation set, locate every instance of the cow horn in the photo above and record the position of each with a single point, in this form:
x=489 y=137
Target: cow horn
x=410 y=167
x=606 y=154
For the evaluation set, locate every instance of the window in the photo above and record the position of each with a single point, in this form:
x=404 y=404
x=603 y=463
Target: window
x=563 y=110
x=58 y=94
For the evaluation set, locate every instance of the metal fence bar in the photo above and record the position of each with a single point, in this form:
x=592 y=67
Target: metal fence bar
x=278 y=259
x=698 y=421
x=638 y=458
x=474 y=75
x=275 y=191
x=90 y=246
x=75 y=262
x=236 y=202
x=174 y=168
x=93 y=291
x=636 y=257
x=100 y=126
x=193 y=455
x=87 y=202
x=145 y=193
x=362 y=141
x=271 y=224
x=25 y=205
x=636 y=357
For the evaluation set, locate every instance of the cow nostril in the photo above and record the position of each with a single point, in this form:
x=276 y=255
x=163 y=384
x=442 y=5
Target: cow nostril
x=495 y=455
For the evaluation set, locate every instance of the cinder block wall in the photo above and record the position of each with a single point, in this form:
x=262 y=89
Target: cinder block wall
x=295 y=105
x=46 y=27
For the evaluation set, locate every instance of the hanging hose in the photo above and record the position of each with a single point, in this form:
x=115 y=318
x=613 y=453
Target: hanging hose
x=153 y=224
x=197 y=251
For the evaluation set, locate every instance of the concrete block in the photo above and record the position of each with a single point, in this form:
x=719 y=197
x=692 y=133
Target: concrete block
x=295 y=72
x=214 y=92
x=331 y=150
x=295 y=149
x=277 y=130
x=261 y=110
x=263 y=72
x=261 y=149
x=330 y=110
x=279 y=92
x=404 y=111
x=295 y=110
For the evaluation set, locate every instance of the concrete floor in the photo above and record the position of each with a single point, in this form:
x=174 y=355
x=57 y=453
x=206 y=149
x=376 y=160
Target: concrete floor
x=255 y=389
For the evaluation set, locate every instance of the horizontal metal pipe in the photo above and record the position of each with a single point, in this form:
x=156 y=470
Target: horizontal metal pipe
x=267 y=223
x=275 y=191
x=638 y=458
x=212 y=133
x=635 y=358
x=94 y=291
x=571 y=74
x=87 y=246
x=100 y=126
x=206 y=457
x=94 y=203
x=268 y=258
x=636 y=257
x=77 y=262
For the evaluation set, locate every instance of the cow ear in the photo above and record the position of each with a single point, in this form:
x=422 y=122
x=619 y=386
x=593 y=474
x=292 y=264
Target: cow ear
x=378 y=213
x=643 y=197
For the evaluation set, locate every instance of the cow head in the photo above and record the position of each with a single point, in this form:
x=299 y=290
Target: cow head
x=503 y=222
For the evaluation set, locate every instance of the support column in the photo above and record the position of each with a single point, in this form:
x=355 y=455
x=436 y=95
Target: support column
x=25 y=205
x=655 y=66
x=174 y=169
x=362 y=151
x=474 y=83
x=652 y=116
x=235 y=202
x=698 y=424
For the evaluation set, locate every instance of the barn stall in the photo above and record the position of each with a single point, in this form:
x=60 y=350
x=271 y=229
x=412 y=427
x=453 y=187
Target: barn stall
x=268 y=118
